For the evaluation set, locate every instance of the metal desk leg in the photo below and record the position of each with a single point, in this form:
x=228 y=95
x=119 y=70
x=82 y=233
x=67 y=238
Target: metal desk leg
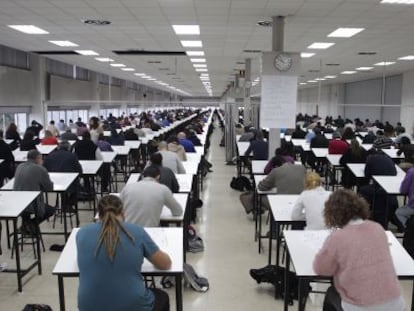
x=256 y=215
x=412 y=298
x=301 y=295
x=61 y=293
x=269 y=261
x=286 y=298
x=16 y=245
x=65 y=223
x=39 y=253
x=259 y=214
x=178 y=292
x=278 y=238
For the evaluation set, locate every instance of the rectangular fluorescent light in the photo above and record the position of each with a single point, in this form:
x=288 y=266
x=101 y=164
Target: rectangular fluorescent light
x=345 y=32
x=87 y=52
x=303 y=83
x=398 y=1
x=62 y=43
x=306 y=55
x=200 y=65
x=364 y=68
x=128 y=69
x=195 y=53
x=146 y=77
x=186 y=29
x=29 y=29
x=192 y=43
x=198 y=60
x=117 y=65
x=140 y=74
x=312 y=81
x=320 y=45
x=330 y=77
x=384 y=64
x=408 y=57
x=204 y=74
x=201 y=69
x=320 y=79
x=104 y=59
x=348 y=72
x=152 y=79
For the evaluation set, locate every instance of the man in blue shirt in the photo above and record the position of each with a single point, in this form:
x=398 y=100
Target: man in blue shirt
x=186 y=143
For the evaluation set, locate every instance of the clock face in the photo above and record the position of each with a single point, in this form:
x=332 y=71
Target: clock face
x=283 y=62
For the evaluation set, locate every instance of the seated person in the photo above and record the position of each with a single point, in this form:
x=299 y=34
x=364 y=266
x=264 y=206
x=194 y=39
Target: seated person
x=167 y=176
x=186 y=143
x=7 y=165
x=369 y=138
x=406 y=148
x=248 y=134
x=52 y=129
x=357 y=257
x=311 y=203
x=110 y=256
x=383 y=140
x=298 y=133
x=275 y=161
x=102 y=144
x=144 y=200
x=68 y=135
x=407 y=188
x=348 y=134
x=28 y=142
x=35 y=128
x=174 y=146
x=49 y=139
x=354 y=154
x=337 y=145
x=32 y=176
x=12 y=133
x=259 y=147
x=170 y=159
x=116 y=139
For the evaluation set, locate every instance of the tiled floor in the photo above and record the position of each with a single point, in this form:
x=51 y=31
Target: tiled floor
x=230 y=252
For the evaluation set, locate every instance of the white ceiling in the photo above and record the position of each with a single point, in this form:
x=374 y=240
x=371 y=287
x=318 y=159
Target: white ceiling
x=227 y=28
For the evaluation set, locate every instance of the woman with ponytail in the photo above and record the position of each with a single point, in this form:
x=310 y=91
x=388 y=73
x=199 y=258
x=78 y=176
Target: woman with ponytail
x=311 y=202
x=110 y=256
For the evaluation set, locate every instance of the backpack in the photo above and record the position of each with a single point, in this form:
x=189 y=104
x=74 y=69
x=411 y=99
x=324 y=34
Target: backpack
x=199 y=284
x=37 y=307
x=408 y=239
x=195 y=243
x=241 y=183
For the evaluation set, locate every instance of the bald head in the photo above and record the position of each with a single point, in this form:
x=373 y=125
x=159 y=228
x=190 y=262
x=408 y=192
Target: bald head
x=181 y=135
x=162 y=145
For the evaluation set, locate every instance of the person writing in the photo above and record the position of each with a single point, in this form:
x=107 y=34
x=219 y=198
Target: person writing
x=358 y=257
x=110 y=256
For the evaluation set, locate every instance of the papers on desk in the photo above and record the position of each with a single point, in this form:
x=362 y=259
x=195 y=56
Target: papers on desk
x=315 y=239
x=160 y=238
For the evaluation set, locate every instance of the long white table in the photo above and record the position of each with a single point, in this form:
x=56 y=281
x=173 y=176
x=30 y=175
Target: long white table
x=46 y=149
x=304 y=245
x=90 y=167
x=358 y=169
x=133 y=144
x=392 y=153
x=20 y=156
x=320 y=152
x=169 y=240
x=12 y=204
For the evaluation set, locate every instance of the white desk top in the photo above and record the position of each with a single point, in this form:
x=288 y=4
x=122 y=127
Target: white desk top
x=304 y=245
x=282 y=206
x=184 y=180
x=328 y=135
x=90 y=167
x=334 y=159
x=190 y=167
x=170 y=240
x=1 y=160
x=20 y=156
x=258 y=166
x=61 y=181
x=107 y=133
x=133 y=144
x=320 y=152
x=108 y=156
x=193 y=157
x=199 y=150
x=358 y=169
x=257 y=180
x=12 y=203
x=298 y=142
x=242 y=146
x=166 y=212
x=46 y=149
x=391 y=184
x=121 y=150
x=392 y=153
x=366 y=146
x=8 y=141
x=305 y=146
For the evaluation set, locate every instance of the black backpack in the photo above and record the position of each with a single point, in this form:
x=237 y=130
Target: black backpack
x=241 y=183
x=408 y=239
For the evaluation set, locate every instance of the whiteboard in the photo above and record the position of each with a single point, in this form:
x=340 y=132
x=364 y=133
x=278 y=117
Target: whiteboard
x=278 y=101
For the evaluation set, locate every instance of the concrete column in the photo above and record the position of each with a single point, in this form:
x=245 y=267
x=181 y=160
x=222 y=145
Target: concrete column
x=95 y=105
x=40 y=90
x=247 y=85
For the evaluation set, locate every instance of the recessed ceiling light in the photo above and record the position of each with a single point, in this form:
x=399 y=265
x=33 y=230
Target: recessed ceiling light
x=264 y=23
x=117 y=65
x=384 y=64
x=201 y=69
x=195 y=53
x=320 y=45
x=198 y=60
x=408 y=57
x=86 y=52
x=320 y=79
x=62 y=43
x=191 y=43
x=128 y=69
x=364 y=68
x=104 y=59
x=140 y=74
x=152 y=79
x=29 y=29
x=186 y=29
x=200 y=65
x=330 y=77
x=146 y=77
x=306 y=55
x=312 y=81
x=303 y=83
x=345 y=32
x=348 y=72
x=398 y=1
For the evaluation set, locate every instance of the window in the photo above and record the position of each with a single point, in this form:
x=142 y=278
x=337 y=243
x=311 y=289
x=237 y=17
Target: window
x=67 y=114
x=81 y=73
x=20 y=119
x=57 y=68
x=106 y=111
x=14 y=58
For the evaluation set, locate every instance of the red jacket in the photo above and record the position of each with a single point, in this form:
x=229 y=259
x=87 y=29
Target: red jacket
x=337 y=146
x=49 y=141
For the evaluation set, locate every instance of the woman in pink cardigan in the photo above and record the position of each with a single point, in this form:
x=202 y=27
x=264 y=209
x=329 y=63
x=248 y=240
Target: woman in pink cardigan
x=358 y=258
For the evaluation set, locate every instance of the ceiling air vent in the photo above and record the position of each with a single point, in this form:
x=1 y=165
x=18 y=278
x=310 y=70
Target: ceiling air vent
x=332 y=64
x=367 y=53
x=97 y=22
x=163 y=69
x=144 y=52
x=154 y=62
x=252 y=51
x=313 y=70
x=264 y=23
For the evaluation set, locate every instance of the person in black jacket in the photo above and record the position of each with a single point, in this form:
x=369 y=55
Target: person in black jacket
x=319 y=141
x=7 y=165
x=35 y=128
x=28 y=142
x=11 y=133
x=298 y=133
x=354 y=154
x=378 y=163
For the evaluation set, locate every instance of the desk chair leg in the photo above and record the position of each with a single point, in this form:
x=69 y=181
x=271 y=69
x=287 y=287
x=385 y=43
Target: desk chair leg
x=287 y=267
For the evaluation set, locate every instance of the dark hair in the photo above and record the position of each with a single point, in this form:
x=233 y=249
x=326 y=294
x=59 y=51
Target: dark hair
x=29 y=135
x=12 y=127
x=152 y=171
x=33 y=154
x=343 y=206
x=1 y=133
x=64 y=145
x=156 y=158
x=86 y=135
x=278 y=161
x=52 y=122
x=172 y=139
x=405 y=141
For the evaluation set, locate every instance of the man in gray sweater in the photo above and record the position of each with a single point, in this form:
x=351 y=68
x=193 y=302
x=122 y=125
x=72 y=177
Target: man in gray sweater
x=32 y=176
x=144 y=200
